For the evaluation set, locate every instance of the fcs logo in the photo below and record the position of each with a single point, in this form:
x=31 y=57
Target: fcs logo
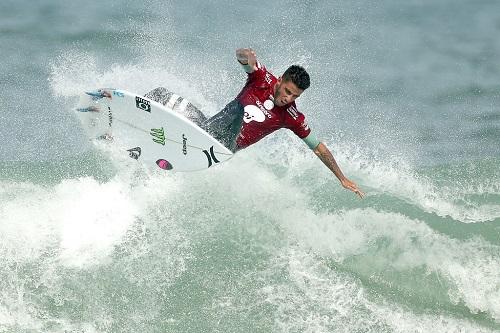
x=142 y=104
x=158 y=135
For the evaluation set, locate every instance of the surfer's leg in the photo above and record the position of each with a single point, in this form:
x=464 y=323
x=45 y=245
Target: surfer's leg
x=192 y=113
x=225 y=126
x=178 y=104
x=160 y=95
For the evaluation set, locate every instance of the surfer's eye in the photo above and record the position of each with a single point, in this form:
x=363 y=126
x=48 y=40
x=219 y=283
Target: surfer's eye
x=288 y=92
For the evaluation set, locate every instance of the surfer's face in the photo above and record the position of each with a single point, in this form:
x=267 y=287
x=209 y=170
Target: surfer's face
x=285 y=92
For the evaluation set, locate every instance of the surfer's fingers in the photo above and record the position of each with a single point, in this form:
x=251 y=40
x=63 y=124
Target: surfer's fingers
x=360 y=193
x=353 y=187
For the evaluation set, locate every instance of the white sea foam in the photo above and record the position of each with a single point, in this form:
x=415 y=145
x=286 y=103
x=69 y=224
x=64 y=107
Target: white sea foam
x=76 y=226
x=315 y=298
x=82 y=217
x=76 y=72
x=397 y=178
x=470 y=267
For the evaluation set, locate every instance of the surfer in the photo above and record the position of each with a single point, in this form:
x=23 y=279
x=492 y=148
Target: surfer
x=264 y=105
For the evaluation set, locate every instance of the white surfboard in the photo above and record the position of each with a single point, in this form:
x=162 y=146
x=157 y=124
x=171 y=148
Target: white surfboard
x=148 y=131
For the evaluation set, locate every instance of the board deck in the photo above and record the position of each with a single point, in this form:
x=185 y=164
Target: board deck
x=148 y=131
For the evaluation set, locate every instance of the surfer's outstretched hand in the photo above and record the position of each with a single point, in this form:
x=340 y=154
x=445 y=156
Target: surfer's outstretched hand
x=352 y=187
x=246 y=56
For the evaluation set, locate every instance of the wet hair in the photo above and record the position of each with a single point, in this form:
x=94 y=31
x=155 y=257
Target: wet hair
x=298 y=75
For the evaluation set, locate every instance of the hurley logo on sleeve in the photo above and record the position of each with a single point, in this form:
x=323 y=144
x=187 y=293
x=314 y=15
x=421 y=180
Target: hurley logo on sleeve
x=142 y=104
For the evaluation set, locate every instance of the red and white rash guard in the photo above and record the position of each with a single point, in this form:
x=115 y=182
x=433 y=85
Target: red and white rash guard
x=261 y=116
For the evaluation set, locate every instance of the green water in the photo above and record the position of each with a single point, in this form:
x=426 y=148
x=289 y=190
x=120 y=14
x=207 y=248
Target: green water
x=404 y=94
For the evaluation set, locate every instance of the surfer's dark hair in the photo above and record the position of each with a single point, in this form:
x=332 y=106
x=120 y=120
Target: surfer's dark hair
x=298 y=75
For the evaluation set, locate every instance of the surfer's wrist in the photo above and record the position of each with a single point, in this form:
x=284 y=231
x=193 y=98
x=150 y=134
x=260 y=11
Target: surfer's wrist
x=246 y=66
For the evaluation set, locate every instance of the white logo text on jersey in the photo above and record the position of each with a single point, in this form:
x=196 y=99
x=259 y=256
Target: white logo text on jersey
x=292 y=111
x=267 y=78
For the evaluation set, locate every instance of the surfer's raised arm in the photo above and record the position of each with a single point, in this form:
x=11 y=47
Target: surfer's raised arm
x=246 y=57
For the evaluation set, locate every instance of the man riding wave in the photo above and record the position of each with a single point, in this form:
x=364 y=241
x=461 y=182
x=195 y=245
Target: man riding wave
x=264 y=105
